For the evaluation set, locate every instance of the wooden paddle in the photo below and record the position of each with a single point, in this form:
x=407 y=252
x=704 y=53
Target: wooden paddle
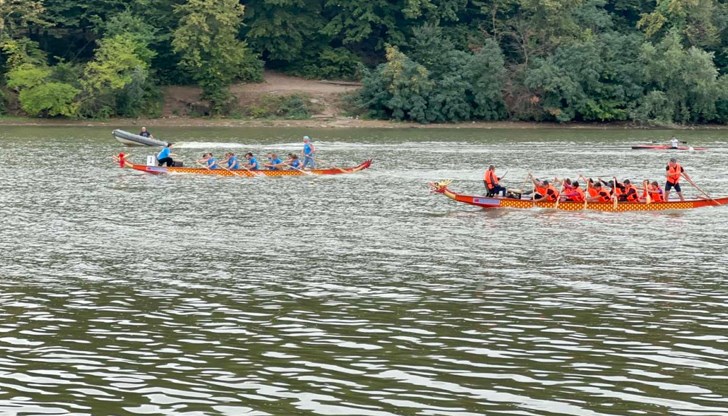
x=229 y=170
x=648 y=199
x=690 y=181
x=300 y=170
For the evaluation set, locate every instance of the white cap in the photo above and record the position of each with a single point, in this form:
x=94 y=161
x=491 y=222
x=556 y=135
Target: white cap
x=306 y=138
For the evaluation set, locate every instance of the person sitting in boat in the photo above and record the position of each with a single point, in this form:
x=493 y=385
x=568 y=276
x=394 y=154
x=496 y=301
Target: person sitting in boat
x=491 y=182
x=574 y=194
x=252 y=162
x=654 y=190
x=601 y=194
x=674 y=172
x=674 y=142
x=146 y=133
x=208 y=161
x=274 y=162
x=293 y=161
x=308 y=153
x=231 y=160
x=628 y=192
x=165 y=156
x=543 y=190
x=566 y=185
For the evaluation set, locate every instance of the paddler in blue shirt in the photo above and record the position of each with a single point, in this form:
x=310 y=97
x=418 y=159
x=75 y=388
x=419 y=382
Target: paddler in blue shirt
x=274 y=162
x=232 y=161
x=208 y=161
x=293 y=161
x=252 y=162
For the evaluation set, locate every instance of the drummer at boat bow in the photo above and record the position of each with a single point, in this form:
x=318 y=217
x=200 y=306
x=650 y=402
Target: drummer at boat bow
x=146 y=133
x=674 y=172
x=165 y=156
x=491 y=182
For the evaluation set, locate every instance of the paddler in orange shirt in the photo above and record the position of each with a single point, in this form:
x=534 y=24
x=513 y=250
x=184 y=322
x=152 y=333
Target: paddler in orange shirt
x=656 y=193
x=674 y=172
x=575 y=194
x=601 y=194
x=629 y=192
x=544 y=191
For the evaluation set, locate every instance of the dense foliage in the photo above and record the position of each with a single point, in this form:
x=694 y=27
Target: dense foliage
x=651 y=61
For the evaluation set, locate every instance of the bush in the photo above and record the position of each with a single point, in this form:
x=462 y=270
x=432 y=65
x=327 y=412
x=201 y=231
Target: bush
x=293 y=107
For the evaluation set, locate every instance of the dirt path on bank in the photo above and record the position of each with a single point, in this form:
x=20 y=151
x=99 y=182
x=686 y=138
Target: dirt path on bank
x=180 y=100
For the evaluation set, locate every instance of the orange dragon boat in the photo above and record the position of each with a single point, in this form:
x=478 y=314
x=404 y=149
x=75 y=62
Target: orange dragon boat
x=520 y=203
x=158 y=170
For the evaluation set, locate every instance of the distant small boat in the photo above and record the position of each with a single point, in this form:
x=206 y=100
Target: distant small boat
x=665 y=147
x=131 y=139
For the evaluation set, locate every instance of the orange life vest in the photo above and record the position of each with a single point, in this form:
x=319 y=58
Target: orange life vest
x=592 y=190
x=550 y=196
x=673 y=173
x=490 y=179
x=576 y=194
x=630 y=193
x=540 y=190
x=655 y=194
x=604 y=196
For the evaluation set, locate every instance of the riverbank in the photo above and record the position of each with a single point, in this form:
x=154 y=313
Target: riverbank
x=329 y=122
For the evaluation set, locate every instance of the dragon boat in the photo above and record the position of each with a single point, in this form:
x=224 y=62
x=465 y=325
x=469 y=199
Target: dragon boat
x=158 y=170
x=521 y=203
x=665 y=147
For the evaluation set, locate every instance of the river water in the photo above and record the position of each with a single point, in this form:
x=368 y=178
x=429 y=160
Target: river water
x=364 y=294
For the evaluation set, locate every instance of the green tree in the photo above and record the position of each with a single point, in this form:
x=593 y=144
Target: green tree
x=207 y=41
x=686 y=78
x=16 y=15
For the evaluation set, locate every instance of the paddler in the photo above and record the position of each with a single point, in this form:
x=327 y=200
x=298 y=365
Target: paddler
x=208 y=161
x=491 y=182
x=252 y=162
x=232 y=161
x=293 y=161
x=574 y=194
x=629 y=192
x=655 y=192
x=601 y=194
x=544 y=190
x=674 y=172
x=274 y=162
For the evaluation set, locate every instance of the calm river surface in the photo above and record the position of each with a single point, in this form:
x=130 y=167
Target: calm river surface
x=126 y=293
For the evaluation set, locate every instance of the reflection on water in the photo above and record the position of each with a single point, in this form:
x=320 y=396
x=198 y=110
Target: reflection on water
x=122 y=293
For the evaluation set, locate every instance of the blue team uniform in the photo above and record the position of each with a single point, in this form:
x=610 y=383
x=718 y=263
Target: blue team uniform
x=275 y=161
x=296 y=164
x=212 y=163
x=253 y=162
x=164 y=153
x=233 y=163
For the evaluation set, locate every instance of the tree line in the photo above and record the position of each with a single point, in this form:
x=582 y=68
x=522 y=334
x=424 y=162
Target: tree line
x=647 y=61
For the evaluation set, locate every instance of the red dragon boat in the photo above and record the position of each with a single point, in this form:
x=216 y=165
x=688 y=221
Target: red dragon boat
x=665 y=147
x=520 y=203
x=158 y=170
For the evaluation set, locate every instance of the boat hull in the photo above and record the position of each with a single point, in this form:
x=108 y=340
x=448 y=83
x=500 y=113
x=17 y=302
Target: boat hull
x=497 y=202
x=665 y=147
x=161 y=170
x=130 y=139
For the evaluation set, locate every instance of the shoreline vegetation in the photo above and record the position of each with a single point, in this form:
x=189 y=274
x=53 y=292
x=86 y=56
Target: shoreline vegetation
x=329 y=123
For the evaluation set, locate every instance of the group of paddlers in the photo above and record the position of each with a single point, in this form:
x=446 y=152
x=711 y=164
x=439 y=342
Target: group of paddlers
x=595 y=190
x=232 y=162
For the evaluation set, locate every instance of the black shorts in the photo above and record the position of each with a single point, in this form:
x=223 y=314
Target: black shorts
x=669 y=185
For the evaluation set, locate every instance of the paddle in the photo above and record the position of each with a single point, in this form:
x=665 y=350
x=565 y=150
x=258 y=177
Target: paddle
x=690 y=181
x=614 y=193
x=229 y=170
x=300 y=170
x=204 y=166
x=586 y=186
x=648 y=199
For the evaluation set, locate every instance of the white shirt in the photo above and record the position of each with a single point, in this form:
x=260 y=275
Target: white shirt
x=674 y=142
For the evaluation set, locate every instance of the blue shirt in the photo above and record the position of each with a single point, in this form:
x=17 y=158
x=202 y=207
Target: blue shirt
x=164 y=153
x=233 y=163
x=212 y=163
x=307 y=149
x=274 y=162
x=295 y=163
x=253 y=162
